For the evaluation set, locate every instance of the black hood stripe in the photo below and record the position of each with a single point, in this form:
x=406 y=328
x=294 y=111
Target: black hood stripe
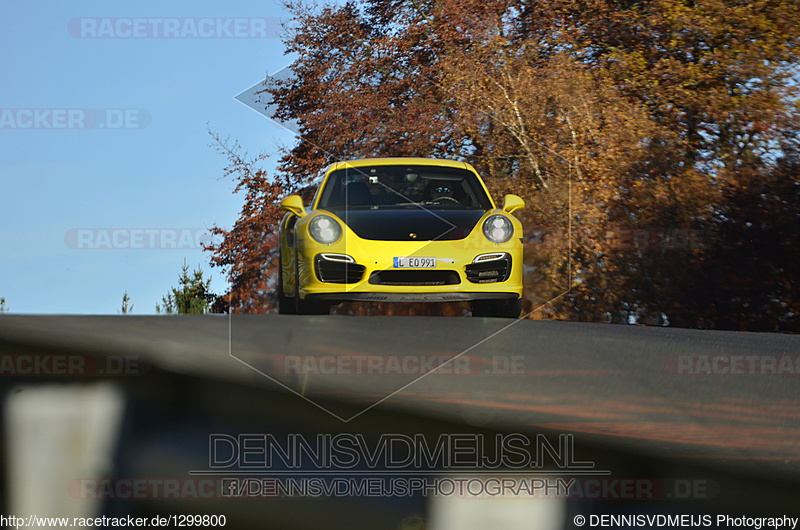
x=411 y=224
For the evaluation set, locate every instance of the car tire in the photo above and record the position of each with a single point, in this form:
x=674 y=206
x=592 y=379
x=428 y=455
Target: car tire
x=286 y=305
x=310 y=307
x=305 y=307
x=497 y=308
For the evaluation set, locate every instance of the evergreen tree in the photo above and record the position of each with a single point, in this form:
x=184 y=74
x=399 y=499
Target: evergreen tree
x=125 y=309
x=193 y=295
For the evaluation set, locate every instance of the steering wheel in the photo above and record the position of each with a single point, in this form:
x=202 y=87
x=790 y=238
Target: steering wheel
x=446 y=198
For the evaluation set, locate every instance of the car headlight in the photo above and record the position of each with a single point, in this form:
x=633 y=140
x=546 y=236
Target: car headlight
x=498 y=229
x=324 y=229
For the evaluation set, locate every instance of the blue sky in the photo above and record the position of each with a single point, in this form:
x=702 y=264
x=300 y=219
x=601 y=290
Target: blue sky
x=149 y=168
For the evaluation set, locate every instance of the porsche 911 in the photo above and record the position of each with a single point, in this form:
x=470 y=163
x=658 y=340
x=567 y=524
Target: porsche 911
x=401 y=230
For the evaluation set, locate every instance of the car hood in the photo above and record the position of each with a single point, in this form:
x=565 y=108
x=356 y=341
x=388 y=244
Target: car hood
x=410 y=224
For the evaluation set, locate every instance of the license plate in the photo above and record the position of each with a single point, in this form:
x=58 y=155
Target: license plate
x=414 y=263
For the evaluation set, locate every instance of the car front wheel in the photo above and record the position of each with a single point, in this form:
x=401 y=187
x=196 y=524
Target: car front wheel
x=286 y=305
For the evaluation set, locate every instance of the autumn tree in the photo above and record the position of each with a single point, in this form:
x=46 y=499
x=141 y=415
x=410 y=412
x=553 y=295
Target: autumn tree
x=717 y=74
x=662 y=118
x=746 y=277
x=363 y=85
x=248 y=252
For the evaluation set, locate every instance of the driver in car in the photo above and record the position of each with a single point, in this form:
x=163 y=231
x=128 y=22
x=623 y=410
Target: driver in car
x=442 y=192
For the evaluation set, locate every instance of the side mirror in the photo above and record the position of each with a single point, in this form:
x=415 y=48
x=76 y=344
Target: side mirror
x=512 y=203
x=293 y=204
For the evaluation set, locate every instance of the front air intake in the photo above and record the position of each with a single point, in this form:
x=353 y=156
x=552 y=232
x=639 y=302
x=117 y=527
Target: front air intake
x=338 y=268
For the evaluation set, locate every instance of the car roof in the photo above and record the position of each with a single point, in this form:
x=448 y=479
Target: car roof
x=391 y=161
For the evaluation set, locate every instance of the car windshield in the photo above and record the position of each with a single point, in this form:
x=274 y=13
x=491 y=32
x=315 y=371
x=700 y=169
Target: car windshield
x=402 y=186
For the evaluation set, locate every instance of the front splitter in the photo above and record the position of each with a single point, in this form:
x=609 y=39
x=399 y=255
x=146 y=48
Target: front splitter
x=410 y=297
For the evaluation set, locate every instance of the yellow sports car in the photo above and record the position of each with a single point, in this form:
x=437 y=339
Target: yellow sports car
x=401 y=230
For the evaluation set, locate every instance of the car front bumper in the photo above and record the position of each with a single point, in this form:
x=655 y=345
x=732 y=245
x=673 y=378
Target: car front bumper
x=355 y=269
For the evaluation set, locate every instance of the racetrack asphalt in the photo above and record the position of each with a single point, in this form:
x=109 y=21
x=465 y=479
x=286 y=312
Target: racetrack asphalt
x=726 y=399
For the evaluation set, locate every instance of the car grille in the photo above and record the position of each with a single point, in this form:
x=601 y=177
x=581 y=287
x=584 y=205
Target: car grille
x=415 y=277
x=333 y=269
x=491 y=271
